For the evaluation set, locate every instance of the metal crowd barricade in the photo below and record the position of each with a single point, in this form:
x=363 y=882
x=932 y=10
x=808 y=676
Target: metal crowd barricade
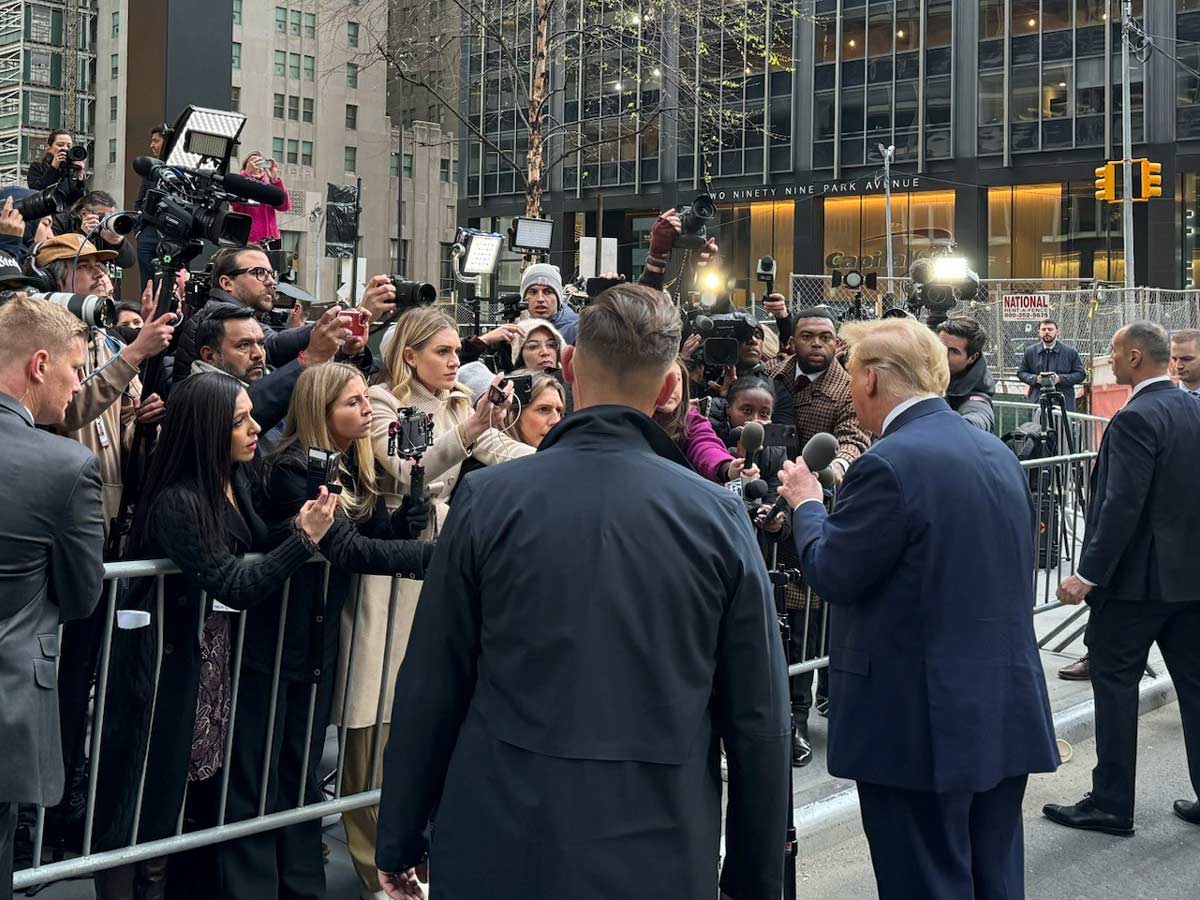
x=87 y=860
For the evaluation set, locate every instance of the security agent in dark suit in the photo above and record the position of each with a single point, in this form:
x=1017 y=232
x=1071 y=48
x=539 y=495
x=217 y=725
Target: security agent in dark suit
x=561 y=711
x=1139 y=573
x=941 y=709
x=51 y=538
x=1049 y=354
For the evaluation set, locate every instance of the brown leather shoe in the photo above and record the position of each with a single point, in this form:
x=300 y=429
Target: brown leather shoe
x=1076 y=671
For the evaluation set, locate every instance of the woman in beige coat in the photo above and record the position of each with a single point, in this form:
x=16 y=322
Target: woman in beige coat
x=421 y=363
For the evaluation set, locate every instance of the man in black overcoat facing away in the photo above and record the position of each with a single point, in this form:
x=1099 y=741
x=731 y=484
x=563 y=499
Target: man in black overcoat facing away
x=1139 y=572
x=558 y=711
x=941 y=709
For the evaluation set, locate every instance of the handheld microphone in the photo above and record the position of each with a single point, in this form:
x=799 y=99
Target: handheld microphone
x=751 y=441
x=735 y=436
x=818 y=454
x=754 y=492
x=253 y=189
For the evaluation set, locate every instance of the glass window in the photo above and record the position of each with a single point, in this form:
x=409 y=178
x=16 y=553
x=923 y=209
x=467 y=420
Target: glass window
x=293 y=107
x=991 y=18
x=277 y=148
x=444 y=170
x=293 y=151
x=351 y=75
x=825 y=38
x=937 y=24
x=235 y=99
x=236 y=55
x=854 y=35
x=306 y=153
x=307 y=115
x=281 y=19
x=280 y=63
x=1056 y=14
x=310 y=68
x=112 y=151
x=823 y=116
x=237 y=12
x=114 y=64
x=852 y=111
x=991 y=99
x=352 y=34
x=294 y=23
x=277 y=111
x=1025 y=17
x=393 y=164
x=310 y=25
x=1056 y=91
x=116 y=24
x=408 y=165
x=906 y=105
x=1025 y=100
x=112 y=109
x=908 y=25
x=1091 y=12
x=1089 y=87
x=937 y=101
x=351 y=160
x=880 y=31
x=879 y=110
x=294 y=66
x=351 y=116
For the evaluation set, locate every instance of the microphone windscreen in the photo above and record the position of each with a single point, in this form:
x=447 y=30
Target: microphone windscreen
x=754 y=490
x=820 y=451
x=253 y=189
x=144 y=165
x=753 y=436
x=825 y=476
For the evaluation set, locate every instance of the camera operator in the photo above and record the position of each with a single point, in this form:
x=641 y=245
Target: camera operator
x=1050 y=357
x=243 y=278
x=51 y=538
x=542 y=289
x=57 y=168
x=971 y=383
x=148 y=237
x=750 y=359
x=85 y=215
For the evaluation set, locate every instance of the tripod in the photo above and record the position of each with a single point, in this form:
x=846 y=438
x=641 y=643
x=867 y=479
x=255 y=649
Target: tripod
x=1053 y=422
x=780 y=579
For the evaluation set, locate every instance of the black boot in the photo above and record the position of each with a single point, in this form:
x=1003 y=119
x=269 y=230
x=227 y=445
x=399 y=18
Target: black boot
x=801 y=749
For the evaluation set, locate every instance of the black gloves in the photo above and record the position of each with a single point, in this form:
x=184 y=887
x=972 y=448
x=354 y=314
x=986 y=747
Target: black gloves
x=411 y=518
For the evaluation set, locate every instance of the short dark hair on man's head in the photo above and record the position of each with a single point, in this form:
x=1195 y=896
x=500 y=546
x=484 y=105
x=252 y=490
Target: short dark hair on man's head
x=630 y=328
x=225 y=260
x=159 y=129
x=211 y=330
x=816 y=312
x=1047 y=322
x=92 y=201
x=129 y=306
x=967 y=329
x=1151 y=338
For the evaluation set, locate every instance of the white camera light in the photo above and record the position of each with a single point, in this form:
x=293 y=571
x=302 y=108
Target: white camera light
x=482 y=251
x=533 y=235
x=949 y=269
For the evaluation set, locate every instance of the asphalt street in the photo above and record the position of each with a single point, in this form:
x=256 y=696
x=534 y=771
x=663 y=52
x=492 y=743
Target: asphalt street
x=1160 y=862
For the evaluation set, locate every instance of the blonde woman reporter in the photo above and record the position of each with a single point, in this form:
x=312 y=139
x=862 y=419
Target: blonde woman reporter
x=420 y=368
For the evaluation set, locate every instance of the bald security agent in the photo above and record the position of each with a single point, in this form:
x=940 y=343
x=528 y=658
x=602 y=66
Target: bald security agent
x=941 y=709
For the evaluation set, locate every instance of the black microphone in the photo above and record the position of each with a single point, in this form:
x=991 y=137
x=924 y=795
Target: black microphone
x=145 y=165
x=735 y=436
x=818 y=454
x=751 y=441
x=252 y=189
x=754 y=492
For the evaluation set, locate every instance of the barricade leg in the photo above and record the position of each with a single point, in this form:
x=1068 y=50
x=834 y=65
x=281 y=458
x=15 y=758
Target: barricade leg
x=361 y=825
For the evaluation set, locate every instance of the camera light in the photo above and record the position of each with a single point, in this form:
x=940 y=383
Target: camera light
x=949 y=269
x=533 y=235
x=204 y=134
x=853 y=279
x=711 y=282
x=482 y=251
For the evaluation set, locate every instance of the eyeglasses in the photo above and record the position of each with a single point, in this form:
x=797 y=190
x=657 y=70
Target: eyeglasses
x=257 y=272
x=535 y=346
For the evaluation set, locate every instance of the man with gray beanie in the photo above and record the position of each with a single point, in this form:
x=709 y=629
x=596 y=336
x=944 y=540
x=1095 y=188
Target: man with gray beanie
x=542 y=289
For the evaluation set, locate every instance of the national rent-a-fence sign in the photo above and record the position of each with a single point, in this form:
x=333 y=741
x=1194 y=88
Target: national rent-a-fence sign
x=1025 y=307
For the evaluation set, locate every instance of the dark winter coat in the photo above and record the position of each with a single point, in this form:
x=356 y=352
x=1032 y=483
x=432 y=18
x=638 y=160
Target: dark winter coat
x=970 y=394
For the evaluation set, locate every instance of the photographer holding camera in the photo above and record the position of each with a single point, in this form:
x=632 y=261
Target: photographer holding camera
x=1049 y=357
x=264 y=229
x=243 y=277
x=63 y=164
x=85 y=215
x=971 y=384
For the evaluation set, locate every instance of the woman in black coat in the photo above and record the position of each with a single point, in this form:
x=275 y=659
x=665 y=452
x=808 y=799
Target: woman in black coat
x=329 y=410
x=163 y=737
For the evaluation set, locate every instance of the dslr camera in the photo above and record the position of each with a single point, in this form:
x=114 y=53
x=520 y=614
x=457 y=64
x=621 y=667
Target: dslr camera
x=723 y=334
x=412 y=293
x=695 y=219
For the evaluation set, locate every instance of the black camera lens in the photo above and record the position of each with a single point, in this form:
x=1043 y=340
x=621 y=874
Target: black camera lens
x=99 y=312
x=693 y=219
x=38 y=206
x=77 y=153
x=703 y=208
x=412 y=293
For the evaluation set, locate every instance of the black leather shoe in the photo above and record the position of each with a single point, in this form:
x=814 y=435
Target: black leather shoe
x=1188 y=810
x=801 y=749
x=1087 y=816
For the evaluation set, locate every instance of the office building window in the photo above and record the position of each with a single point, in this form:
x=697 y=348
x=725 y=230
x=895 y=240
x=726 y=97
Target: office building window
x=277 y=111
x=310 y=68
x=445 y=170
x=277 y=148
x=114 y=64
x=1187 y=92
x=351 y=159
x=116 y=24
x=408 y=165
x=310 y=25
x=236 y=54
x=112 y=109
x=112 y=151
x=293 y=108
x=1056 y=230
x=294 y=66
x=295 y=23
x=306 y=153
x=351 y=116
x=455 y=171
x=293 y=151
x=446 y=276
x=281 y=19
x=352 y=34
x=307 y=113
x=393 y=164
x=351 y=75
x=39 y=110
x=237 y=12
x=41 y=25
x=280 y=63
x=235 y=99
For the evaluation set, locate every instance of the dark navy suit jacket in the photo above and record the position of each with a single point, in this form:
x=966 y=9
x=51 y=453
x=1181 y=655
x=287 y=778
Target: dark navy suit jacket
x=1062 y=360
x=1142 y=538
x=927 y=563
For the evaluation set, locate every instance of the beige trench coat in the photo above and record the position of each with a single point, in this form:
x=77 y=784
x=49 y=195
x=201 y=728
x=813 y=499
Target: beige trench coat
x=363 y=632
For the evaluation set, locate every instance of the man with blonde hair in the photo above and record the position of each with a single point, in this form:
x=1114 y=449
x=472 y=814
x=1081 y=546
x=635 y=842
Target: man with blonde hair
x=51 y=538
x=942 y=709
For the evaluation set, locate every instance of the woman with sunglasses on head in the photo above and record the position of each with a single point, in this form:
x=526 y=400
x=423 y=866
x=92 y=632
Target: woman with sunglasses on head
x=330 y=412
x=164 y=735
x=421 y=365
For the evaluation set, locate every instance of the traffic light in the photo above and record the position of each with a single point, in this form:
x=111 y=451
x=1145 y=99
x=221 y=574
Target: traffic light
x=1151 y=180
x=1106 y=182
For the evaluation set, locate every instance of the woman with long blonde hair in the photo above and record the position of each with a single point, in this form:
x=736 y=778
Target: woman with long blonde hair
x=421 y=363
x=329 y=413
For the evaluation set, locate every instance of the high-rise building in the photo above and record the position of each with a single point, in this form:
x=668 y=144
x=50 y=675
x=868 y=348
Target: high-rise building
x=999 y=112
x=47 y=75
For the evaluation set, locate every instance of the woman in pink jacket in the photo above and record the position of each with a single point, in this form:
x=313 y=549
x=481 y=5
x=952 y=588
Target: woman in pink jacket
x=263 y=228
x=693 y=434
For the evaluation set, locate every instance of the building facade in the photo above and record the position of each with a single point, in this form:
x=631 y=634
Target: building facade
x=47 y=78
x=999 y=112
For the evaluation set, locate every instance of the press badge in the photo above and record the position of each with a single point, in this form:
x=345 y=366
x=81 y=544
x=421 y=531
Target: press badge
x=218 y=606
x=102 y=432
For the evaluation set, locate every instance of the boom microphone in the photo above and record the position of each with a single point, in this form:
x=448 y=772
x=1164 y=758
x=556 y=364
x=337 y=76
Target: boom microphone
x=818 y=454
x=145 y=165
x=252 y=189
x=751 y=441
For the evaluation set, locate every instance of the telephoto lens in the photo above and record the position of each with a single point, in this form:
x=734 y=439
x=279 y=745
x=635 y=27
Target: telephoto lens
x=99 y=312
x=694 y=218
x=39 y=205
x=412 y=293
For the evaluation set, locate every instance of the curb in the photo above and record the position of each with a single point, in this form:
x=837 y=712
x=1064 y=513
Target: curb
x=829 y=821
